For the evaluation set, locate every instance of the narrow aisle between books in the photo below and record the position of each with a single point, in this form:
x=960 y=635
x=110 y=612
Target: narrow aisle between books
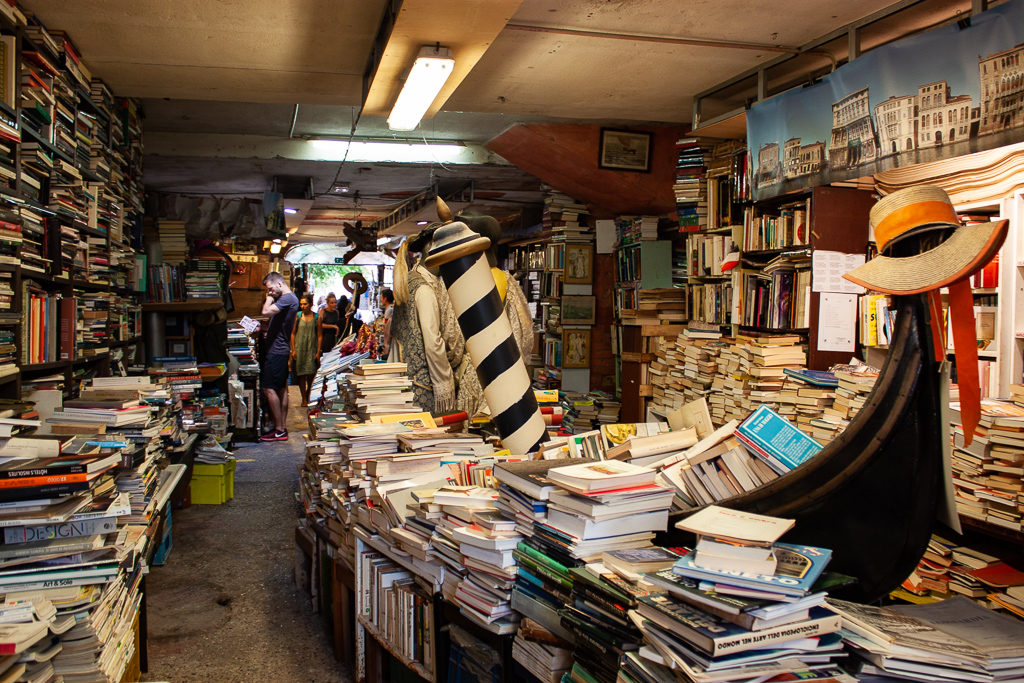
x=225 y=606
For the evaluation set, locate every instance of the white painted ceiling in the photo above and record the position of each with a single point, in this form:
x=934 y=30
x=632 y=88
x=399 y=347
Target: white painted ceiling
x=270 y=70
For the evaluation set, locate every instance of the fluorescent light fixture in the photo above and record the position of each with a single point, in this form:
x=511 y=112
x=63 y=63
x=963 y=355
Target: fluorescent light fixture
x=429 y=72
x=339 y=188
x=290 y=210
x=422 y=222
x=321 y=149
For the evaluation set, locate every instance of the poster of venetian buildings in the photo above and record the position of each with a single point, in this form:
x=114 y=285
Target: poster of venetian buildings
x=919 y=103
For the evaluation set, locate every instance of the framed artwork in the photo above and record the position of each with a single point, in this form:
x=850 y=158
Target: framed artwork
x=575 y=348
x=579 y=264
x=625 y=150
x=578 y=310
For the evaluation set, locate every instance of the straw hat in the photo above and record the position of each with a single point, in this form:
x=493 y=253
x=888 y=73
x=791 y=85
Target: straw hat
x=921 y=211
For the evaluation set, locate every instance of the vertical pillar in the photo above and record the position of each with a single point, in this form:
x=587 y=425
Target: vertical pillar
x=458 y=252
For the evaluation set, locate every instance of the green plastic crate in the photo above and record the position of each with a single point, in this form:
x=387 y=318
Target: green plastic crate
x=213 y=484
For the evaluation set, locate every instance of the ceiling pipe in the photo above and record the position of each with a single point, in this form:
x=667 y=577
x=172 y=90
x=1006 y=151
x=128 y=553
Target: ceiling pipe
x=649 y=38
x=295 y=118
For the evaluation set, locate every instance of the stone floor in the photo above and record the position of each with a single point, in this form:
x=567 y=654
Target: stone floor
x=225 y=606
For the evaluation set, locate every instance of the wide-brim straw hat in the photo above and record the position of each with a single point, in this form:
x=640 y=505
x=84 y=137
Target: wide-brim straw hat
x=912 y=212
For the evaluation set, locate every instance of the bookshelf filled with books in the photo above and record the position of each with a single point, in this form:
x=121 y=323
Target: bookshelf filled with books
x=711 y=229
x=776 y=290
x=71 y=194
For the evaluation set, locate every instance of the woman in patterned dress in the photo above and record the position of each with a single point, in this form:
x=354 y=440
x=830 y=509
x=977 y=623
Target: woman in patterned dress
x=304 y=348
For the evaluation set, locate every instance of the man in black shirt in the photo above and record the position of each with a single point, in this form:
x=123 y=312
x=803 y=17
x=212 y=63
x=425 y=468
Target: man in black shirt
x=281 y=305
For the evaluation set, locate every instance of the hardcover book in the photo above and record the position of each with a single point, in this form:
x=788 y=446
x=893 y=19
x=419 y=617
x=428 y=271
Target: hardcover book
x=717 y=637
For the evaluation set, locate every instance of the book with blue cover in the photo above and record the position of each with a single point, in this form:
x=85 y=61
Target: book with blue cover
x=799 y=566
x=770 y=434
x=819 y=378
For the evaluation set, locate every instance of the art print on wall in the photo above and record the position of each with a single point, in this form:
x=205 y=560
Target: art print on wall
x=579 y=264
x=578 y=310
x=625 y=150
x=575 y=348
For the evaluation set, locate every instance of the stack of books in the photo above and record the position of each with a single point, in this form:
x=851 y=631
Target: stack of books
x=597 y=617
x=854 y=385
x=543 y=654
x=579 y=413
x=72 y=565
x=566 y=217
x=92 y=333
x=715 y=469
x=173 y=245
x=685 y=368
x=663 y=306
x=690 y=187
x=179 y=375
x=486 y=541
x=375 y=389
x=33 y=253
x=813 y=392
x=83 y=416
x=948 y=568
x=205 y=279
x=738 y=623
x=954 y=640
x=241 y=346
x=605 y=506
x=99 y=270
x=988 y=474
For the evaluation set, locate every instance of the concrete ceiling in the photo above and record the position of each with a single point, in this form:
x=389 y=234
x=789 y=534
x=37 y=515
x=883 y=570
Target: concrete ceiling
x=233 y=89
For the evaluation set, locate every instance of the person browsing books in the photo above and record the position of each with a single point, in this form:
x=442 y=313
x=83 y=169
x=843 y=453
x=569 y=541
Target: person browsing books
x=328 y=325
x=387 y=302
x=305 y=351
x=281 y=305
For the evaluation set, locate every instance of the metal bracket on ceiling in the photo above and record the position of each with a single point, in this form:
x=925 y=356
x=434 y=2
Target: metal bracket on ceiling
x=413 y=205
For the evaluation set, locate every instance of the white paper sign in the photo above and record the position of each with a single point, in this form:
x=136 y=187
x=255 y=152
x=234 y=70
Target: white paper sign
x=605 y=234
x=837 y=322
x=828 y=268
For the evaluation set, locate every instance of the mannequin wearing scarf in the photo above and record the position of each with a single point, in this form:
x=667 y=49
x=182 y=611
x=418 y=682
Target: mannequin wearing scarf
x=424 y=332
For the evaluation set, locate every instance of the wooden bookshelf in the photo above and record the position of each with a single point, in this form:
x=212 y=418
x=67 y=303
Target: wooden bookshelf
x=993 y=530
x=836 y=219
x=409 y=663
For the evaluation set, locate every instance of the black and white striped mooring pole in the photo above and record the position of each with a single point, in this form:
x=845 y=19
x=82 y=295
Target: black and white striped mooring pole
x=458 y=253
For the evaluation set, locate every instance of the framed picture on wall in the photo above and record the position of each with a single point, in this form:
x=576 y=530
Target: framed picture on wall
x=578 y=310
x=579 y=264
x=625 y=150
x=575 y=347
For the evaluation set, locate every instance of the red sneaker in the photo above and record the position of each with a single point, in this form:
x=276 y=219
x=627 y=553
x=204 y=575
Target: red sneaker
x=275 y=436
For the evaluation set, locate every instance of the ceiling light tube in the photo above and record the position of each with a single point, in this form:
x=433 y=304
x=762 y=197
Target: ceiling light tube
x=429 y=72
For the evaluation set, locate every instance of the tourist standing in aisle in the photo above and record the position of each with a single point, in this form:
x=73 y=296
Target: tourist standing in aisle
x=304 y=348
x=387 y=302
x=329 y=325
x=281 y=305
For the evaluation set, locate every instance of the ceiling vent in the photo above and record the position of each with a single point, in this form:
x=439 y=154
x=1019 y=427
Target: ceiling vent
x=294 y=186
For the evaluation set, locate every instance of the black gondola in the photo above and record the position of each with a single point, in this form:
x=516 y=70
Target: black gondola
x=871 y=494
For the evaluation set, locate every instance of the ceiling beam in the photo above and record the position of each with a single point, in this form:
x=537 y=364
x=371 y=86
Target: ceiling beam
x=466 y=27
